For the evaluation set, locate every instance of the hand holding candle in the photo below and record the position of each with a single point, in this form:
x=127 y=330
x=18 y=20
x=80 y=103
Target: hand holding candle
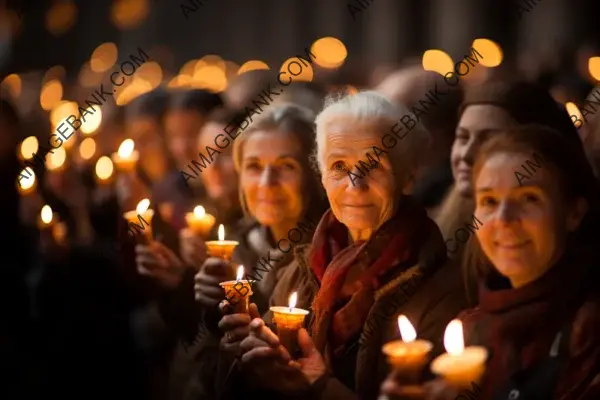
x=238 y=292
x=460 y=366
x=200 y=222
x=221 y=248
x=126 y=157
x=408 y=356
x=289 y=320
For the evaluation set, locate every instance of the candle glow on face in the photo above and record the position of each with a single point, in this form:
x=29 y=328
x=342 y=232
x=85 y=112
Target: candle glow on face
x=407 y=331
x=200 y=212
x=293 y=300
x=142 y=206
x=126 y=148
x=221 y=232
x=240 y=273
x=453 y=338
x=46 y=214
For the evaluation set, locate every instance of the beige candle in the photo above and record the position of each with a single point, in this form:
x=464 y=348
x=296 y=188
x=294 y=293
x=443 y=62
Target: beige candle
x=199 y=221
x=221 y=248
x=126 y=157
x=289 y=320
x=142 y=215
x=238 y=292
x=409 y=355
x=460 y=366
x=46 y=218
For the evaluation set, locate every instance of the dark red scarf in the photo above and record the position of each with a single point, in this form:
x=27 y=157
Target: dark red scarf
x=392 y=248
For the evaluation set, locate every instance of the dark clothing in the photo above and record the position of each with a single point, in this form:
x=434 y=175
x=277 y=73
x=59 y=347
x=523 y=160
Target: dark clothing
x=523 y=328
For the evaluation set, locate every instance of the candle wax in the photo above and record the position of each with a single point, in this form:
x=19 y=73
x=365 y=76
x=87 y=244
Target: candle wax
x=200 y=226
x=288 y=321
x=463 y=369
x=407 y=356
x=238 y=294
x=145 y=228
x=221 y=248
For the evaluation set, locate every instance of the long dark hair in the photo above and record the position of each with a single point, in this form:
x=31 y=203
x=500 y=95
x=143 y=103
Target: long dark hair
x=576 y=180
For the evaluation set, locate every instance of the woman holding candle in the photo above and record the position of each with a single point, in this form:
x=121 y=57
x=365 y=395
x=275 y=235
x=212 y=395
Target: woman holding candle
x=539 y=307
x=487 y=109
x=374 y=255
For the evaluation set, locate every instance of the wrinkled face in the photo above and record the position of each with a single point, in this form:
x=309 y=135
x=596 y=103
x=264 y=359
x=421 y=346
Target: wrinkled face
x=476 y=124
x=359 y=203
x=145 y=132
x=272 y=177
x=182 y=127
x=524 y=227
x=220 y=178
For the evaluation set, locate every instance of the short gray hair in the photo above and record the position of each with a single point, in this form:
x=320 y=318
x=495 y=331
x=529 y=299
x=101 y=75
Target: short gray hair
x=370 y=105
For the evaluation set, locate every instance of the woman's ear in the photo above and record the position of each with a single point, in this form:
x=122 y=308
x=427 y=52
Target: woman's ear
x=579 y=207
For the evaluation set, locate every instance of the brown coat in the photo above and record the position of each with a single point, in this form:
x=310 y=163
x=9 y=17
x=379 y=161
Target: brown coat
x=429 y=300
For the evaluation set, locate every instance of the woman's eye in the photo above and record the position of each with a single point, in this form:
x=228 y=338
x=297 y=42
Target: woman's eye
x=253 y=166
x=488 y=201
x=338 y=166
x=288 y=166
x=531 y=198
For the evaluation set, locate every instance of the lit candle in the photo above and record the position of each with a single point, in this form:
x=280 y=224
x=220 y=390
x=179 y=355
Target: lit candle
x=104 y=170
x=45 y=220
x=26 y=181
x=289 y=320
x=460 y=366
x=199 y=221
x=238 y=292
x=407 y=356
x=142 y=217
x=221 y=248
x=126 y=157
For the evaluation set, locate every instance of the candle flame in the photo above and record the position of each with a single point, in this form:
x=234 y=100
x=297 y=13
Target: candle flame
x=293 y=300
x=453 y=338
x=142 y=206
x=199 y=212
x=46 y=214
x=240 y=273
x=407 y=331
x=221 y=232
x=126 y=148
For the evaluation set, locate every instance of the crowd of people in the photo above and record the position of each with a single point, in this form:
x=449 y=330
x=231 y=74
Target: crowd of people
x=101 y=313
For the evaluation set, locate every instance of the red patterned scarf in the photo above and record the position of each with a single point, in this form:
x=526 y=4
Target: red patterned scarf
x=393 y=247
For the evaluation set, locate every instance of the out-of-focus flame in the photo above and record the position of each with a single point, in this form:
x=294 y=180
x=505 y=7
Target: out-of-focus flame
x=142 y=206
x=221 y=232
x=293 y=300
x=199 y=212
x=104 y=167
x=126 y=148
x=46 y=214
x=240 y=273
x=453 y=338
x=407 y=331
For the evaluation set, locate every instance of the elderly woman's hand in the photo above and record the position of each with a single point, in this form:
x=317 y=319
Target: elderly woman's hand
x=159 y=262
x=235 y=327
x=193 y=249
x=271 y=364
x=206 y=287
x=393 y=389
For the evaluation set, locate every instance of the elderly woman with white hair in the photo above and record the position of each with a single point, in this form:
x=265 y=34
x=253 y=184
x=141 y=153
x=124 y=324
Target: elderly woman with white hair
x=374 y=255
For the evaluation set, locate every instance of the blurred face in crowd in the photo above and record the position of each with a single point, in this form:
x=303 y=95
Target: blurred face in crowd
x=144 y=131
x=272 y=176
x=220 y=178
x=476 y=124
x=182 y=127
x=366 y=203
x=524 y=227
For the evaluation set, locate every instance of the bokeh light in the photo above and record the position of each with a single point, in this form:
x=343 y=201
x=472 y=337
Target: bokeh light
x=252 y=65
x=594 y=67
x=13 y=84
x=51 y=94
x=56 y=159
x=151 y=73
x=491 y=52
x=29 y=146
x=329 y=52
x=87 y=148
x=299 y=66
x=103 y=57
x=129 y=14
x=61 y=17
x=437 y=61
x=92 y=122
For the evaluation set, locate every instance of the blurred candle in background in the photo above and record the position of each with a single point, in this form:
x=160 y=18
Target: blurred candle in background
x=126 y=157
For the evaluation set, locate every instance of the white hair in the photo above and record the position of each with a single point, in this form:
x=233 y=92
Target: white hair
x=370 y=105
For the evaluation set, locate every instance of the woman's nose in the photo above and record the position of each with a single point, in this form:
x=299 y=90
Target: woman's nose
x=507 y=212
x=267 y=177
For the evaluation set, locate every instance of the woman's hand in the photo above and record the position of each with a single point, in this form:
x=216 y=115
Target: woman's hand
x=159 y=262
x=271 y=364
x=206 y=287
x=193 y=249
x=235 y=327
x=393 y=389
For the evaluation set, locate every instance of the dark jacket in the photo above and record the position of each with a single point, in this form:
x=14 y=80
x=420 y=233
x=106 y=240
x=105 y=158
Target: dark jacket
x=429 y=293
